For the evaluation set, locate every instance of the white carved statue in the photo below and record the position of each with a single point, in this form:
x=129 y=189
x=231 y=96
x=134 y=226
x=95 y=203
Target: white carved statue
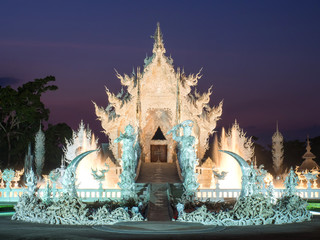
x=100 y=177
x=309 y=175
x=187 y=156
x=218 y=175
x=31 y=182
x=129 y=161
x=291 y=183
x=7 y=176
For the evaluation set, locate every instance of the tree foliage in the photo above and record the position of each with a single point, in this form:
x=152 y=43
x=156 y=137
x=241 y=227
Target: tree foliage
x=293 y=152
x=55 y=139
x=21 y=111
x=264 y=157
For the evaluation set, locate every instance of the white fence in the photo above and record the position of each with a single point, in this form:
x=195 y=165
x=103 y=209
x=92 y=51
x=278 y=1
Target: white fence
x=88 y=195
x=91 y=195
x=220 y=194
x=217 y=194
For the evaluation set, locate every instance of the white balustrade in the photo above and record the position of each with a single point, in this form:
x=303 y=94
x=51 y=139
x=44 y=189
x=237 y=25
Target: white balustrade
x=87 y=195
x=220 y=194
x=91 y=195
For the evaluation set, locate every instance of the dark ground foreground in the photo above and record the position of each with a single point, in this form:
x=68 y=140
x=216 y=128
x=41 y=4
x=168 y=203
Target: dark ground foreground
x=158 y=230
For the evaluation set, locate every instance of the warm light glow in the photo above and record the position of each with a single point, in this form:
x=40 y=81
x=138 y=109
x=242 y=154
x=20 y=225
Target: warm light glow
x=235 y=141
x=228 y=163
x=85 y=179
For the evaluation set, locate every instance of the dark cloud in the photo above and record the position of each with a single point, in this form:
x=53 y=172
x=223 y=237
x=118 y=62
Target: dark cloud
x=5 y=81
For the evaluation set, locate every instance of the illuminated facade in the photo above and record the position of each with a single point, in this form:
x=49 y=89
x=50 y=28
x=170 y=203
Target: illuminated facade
x=156 y=99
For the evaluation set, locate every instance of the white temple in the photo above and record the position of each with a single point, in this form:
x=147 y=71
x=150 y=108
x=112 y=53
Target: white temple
x=156 y=99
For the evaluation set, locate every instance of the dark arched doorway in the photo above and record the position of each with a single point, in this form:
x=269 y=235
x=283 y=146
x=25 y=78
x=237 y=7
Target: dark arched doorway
x=158 y=147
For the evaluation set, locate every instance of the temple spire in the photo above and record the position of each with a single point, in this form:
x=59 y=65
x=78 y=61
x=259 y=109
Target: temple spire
x=308 y=163
x=308 y=155
x=308 y=148
x=158 y=46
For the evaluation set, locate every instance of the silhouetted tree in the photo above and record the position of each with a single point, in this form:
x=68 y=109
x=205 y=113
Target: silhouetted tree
x=55 y=139
x=21 y=111
x=315 y=148
x=293 y=151
x=264 y=157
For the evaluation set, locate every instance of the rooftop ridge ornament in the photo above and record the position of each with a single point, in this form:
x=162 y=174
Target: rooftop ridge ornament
x=158 y=46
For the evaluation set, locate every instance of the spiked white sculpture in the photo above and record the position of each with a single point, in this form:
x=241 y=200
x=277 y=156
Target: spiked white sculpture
x=69 y=181
x=187 y=156
x=28 y=160
x=47 y=194
x=75 y=146
x=254 y=207
x=39 y=151
x=236 y=141
x=68 y=208
x=54 y=175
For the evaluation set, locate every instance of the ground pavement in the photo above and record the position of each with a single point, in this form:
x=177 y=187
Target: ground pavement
x=158 y=174
x=158 y=230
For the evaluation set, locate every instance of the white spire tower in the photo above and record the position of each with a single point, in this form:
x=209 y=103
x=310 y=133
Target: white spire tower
x=277 y=151
x=39 y=151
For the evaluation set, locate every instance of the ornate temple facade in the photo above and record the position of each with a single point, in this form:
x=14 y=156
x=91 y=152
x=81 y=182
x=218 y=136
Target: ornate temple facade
x=155 y=99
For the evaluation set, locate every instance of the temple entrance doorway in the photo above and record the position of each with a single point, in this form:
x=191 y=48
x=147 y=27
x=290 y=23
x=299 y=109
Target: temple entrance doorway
x=158 y=147
x=158 y=153
x=158 y=168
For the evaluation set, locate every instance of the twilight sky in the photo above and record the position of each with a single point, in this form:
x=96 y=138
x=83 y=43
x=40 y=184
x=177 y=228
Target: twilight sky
x=262 y=57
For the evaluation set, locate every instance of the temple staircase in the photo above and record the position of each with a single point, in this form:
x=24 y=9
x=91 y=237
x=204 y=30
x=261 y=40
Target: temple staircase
x=158 y=173
x=162 y=179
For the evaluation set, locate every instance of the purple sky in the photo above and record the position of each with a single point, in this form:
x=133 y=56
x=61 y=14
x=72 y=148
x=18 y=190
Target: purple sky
x=262 y=57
